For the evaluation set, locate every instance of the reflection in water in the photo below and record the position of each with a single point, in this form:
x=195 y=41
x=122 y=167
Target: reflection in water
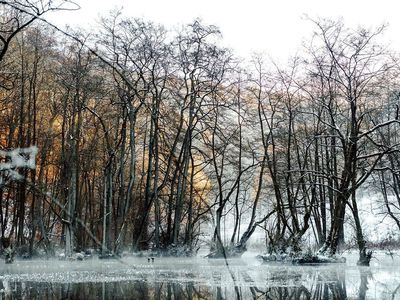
x=323 y=286
x=307 y=283
x=365 y=274
x=106 y=290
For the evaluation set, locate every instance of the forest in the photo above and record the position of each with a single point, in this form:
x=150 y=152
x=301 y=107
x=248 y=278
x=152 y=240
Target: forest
x=135 y=137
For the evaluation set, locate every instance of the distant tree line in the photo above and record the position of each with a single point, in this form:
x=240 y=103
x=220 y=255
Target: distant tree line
x=146 y=137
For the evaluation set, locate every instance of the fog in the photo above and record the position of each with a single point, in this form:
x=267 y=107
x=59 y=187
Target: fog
x=188 y=278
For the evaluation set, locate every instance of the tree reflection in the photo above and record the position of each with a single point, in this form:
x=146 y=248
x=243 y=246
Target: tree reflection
x=322 y=286
x=365 y=274
x=105 y=290
x=312 y=284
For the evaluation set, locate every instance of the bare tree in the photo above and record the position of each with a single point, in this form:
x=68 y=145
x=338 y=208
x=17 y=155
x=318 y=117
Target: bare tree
x=353 y=69
x=19 y=14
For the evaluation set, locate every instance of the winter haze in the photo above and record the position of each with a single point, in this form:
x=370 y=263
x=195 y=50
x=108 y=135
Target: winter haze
x=199 y=150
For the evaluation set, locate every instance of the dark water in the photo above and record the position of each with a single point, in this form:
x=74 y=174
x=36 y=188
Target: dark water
x=197 y=278
x=335 y=289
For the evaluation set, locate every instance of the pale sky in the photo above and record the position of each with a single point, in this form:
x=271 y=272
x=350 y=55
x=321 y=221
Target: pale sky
x=275 y=27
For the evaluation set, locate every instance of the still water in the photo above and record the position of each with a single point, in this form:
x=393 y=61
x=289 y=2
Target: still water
x=199 y=278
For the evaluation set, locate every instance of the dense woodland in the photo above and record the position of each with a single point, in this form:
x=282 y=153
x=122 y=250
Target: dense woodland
x=149 y=138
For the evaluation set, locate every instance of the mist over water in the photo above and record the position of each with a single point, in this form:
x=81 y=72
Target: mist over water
x=199 y=278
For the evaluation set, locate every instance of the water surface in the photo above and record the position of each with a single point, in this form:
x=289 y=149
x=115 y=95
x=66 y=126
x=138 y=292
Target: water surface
x=199 y=278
